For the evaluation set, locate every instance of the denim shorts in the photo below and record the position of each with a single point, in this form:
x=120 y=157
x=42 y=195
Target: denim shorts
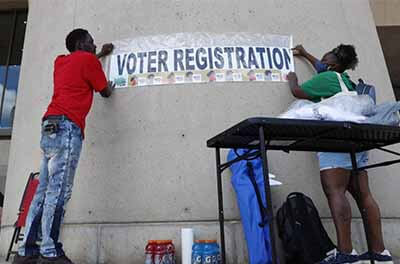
x=330 y=160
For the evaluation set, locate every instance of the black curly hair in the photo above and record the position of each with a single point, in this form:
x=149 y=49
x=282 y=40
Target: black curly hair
x=73 y=37
x=346 y=56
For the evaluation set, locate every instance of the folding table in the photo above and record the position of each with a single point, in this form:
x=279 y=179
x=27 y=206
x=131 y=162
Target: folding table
x=263 y=133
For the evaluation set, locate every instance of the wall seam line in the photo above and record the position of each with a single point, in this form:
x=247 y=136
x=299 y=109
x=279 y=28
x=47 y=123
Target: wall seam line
x=98 y=237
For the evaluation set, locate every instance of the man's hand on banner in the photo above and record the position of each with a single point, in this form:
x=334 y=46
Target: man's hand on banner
x=106 y=92
x=299 y=50
x=106 y=49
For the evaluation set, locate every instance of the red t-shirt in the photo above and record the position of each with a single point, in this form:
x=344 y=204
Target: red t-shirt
x=76 y=76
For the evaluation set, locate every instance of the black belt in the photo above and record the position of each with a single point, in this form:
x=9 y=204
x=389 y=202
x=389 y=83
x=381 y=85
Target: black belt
x=56 y=118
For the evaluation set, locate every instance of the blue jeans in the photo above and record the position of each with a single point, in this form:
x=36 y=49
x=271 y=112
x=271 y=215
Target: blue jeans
x=61 y=151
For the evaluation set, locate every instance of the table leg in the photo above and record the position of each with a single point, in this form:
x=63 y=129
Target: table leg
x=363 y=210
x=220 y=205
x=267 y=189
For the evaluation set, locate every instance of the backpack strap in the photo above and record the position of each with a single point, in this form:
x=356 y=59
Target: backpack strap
x=263 y=210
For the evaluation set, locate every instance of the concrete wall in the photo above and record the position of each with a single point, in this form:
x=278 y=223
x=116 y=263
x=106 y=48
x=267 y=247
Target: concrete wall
x=145 y=170
x=4 y=150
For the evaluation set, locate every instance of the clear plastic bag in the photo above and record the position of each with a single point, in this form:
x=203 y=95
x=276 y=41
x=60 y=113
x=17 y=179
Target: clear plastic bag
x=337 y=108
x=355 y=104
x=300 y=109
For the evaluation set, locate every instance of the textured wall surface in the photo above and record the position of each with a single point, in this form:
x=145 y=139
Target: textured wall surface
x=144 y=160
x=4 y=150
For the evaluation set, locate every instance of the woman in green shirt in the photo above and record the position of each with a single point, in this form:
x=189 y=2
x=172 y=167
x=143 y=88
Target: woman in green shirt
x=335 y=168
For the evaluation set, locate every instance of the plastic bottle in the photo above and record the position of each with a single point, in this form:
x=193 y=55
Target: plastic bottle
x=217 y=253
x=165 y=257
x=160 y=252
x=149 y=252
x=209 y=252
x=197 y=252
x=170 y=252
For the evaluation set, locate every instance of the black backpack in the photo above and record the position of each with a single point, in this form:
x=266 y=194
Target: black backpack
x=303 y=236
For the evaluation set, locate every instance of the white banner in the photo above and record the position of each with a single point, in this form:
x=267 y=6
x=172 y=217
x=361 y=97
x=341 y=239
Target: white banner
x=199 y=58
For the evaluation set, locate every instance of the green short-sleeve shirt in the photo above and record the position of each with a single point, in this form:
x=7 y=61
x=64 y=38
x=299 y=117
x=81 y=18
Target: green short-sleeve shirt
x=324 y=85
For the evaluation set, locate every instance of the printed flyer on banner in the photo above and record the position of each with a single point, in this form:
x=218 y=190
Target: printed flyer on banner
x=200 y=58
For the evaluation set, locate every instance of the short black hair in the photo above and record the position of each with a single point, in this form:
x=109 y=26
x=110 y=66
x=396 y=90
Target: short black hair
x=346 y=55
x=78 y=34
x=1 y=199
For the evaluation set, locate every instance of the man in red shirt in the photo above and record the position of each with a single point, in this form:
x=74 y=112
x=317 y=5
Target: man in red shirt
x=76 y=77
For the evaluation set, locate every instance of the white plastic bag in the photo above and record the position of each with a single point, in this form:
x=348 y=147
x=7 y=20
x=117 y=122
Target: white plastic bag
x=355 y=104
x=343 y=107
x=335 y=114
x=300 y=109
